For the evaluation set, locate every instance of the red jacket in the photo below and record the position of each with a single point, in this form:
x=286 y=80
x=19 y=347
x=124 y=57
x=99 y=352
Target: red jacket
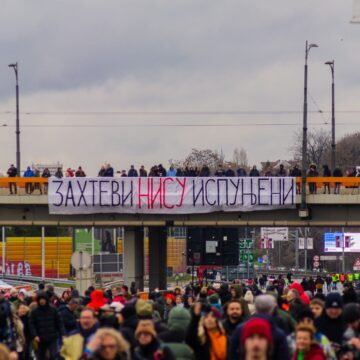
x=315 y=353
x=97 y=300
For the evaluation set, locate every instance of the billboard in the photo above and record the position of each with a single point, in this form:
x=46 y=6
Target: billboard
x=339 y=242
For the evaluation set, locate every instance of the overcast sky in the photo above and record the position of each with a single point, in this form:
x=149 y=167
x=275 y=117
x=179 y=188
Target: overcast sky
x=89 y=62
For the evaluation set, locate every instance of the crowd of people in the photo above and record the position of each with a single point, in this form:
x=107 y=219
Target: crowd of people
x=160 y=171
x=276 y=320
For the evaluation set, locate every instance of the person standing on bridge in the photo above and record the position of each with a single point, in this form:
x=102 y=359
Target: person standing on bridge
x=12 y=172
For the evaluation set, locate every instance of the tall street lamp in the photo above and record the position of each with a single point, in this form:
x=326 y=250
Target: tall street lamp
x=308 y=47
x=15 y=67
x=333 y=144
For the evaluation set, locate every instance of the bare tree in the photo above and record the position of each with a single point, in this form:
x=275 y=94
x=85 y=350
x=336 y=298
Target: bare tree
x=198 y=158
x=318 y=147
x=240 y=158
x=348 y=151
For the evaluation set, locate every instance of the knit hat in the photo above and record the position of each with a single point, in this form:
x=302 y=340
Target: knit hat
x=170 y=296
x=179 y=319
x=351 y=313
x=256 y=326
x=333 y=300
x=145 y=326
x=144 y=308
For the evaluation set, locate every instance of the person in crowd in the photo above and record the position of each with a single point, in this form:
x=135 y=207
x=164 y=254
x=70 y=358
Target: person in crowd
x=206 y=335
x=108 y=344
x=254 y=172
x=23 y=315
x=123 y=173
x=67 y=313
x=337 y=173
x=204 y=171
x=296 y=305
x=142 y=171
x=351 y=317
x=80 y=172
x=29 y=185
x=149 y=345
x=7 y=330
x=132 y=172
x=97 y=300
x=307 y=318
x=256 y=340
x=306 y=347
x=59 y=174
x=46 y=327
x=296 y=172
x=69 y=172
x=249 y=298
x=12 y=172
x=331 y=322
x=45 y=174
x=317 y=307
x=109 y=171
x=174 y=338
x=326 y=173
x=233 y=316
x=171 y=172
x=229 y=172
x=219 y=171
x=312 y=172
x=161 y=170
x=37 y=185
x=75 y=343
x=102 y=171
x=282 y=171
x=241 y=172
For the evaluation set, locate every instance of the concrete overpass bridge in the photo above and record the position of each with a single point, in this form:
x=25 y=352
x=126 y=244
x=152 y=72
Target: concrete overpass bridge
x=341 y=209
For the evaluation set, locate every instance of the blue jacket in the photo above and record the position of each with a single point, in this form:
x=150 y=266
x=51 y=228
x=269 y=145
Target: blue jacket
x=29 y=173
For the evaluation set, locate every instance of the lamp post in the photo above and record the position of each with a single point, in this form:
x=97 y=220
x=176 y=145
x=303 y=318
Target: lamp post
x=15 y=67
x=308 y=47
x=333 y=144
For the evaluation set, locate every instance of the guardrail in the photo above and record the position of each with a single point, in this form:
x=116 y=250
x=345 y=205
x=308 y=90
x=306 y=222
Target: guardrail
x=39 y=183
x=37 y=280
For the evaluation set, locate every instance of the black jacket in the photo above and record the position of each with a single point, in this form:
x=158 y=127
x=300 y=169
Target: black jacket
x=333 y=329
x=46 y=323
x=68 y=318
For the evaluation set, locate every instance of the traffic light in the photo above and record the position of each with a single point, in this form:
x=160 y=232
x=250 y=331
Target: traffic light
x=262 y=244
x=337 y=241
x=347 y=241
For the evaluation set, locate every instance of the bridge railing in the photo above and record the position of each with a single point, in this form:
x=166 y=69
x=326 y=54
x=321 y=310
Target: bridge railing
x=38 y=185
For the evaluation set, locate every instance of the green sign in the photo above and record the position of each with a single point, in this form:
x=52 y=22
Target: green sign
x=247 y=257
x=246 y=244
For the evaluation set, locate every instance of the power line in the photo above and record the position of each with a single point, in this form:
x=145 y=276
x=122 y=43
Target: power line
x=175 y=113
x=166 y=125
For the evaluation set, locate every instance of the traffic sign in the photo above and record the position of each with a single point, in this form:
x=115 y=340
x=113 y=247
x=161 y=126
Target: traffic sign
x=275 y=233
x=80 y=260
x=356 y=265
x=316 y=258
x=316 y=264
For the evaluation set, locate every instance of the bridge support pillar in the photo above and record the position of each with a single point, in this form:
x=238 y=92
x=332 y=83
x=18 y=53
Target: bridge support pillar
x=133 y=257
x=157 y=258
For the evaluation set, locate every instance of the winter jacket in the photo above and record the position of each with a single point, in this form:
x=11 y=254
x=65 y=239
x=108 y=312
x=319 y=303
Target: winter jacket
x=68 y=318
x=46 y=322
x=74 y=345
x=333 y=329
x=315 y=353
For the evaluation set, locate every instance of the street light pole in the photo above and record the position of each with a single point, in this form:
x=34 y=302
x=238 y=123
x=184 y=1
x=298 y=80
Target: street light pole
x=15 y=67
x=304 y=145
x=333 y=144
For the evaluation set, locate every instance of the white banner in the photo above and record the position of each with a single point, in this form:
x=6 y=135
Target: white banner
x=169 y=195
x=275 y=233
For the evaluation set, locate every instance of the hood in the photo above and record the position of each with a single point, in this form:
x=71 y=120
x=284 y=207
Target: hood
x=179 y=319
x=97 y=299
x=42 y=295
x=297 y=287
x=249 y=297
